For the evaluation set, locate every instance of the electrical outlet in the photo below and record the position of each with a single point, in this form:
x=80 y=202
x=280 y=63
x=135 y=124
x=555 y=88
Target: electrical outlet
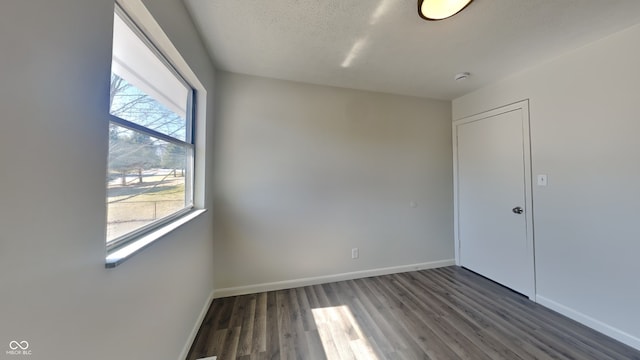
x=355 y=253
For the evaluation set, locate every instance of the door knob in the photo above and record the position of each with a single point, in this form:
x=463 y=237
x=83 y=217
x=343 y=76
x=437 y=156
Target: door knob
x=517 y=210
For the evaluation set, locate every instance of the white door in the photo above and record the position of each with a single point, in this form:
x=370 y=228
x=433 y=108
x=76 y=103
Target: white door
x=493 y=201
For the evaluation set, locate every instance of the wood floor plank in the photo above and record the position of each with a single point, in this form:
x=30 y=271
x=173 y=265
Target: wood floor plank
x=326 y=339
x=445 y=313
x=316 y=348
x=535 y=329
x=339 y=332
x=546 y=331
x=336 y=331
x=428 y=340
x=201 y=338
x=306 y=315
x=217 y=344
x=323 y=300
x=223 y=316
x=413 y=338
x=311 y=297
x=287 y=347
x=501 y=323
x=246 y=335
x=368 y=327
x=382 y=316
x=260 y=325
x=458 y=320
x=238 y=312
x=216 y=319
x=273 y=332
x=580 y=336
x=296 y=318
x=437 y=324
x=341 y=313
x=230 y=348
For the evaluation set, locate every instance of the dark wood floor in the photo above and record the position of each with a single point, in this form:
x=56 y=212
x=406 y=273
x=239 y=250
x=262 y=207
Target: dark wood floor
x=446 y=313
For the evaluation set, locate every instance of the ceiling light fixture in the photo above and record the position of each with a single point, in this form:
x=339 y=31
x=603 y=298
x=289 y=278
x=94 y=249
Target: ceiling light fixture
x=440 y=9
x=462 y=76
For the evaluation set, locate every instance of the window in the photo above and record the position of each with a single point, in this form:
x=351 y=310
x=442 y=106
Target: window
x=151 y=146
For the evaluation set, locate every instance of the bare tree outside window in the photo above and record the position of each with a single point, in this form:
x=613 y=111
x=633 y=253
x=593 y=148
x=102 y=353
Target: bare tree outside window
x=146 y=175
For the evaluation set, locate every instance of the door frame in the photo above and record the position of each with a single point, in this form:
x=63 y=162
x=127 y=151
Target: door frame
x=528 y=187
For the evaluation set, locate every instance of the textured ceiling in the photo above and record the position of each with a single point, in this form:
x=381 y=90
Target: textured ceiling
x=382 y=45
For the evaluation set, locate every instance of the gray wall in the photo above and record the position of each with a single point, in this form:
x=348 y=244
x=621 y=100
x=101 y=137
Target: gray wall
x=585 y=135
x=55 y=292
x=305 y=173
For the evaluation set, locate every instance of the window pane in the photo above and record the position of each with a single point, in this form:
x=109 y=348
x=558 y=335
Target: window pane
x=145 y=181
x=143 y=89
x=130 y=103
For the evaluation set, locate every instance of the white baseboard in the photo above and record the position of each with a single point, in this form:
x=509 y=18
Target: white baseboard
x=288 y=284
x=194 y=331
x=597 y=325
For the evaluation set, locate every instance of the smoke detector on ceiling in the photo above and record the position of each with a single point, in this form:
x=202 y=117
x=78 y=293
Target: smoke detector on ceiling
x=462 y=76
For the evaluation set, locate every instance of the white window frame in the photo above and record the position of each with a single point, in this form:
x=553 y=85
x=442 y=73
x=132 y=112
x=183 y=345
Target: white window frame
x=137 y=17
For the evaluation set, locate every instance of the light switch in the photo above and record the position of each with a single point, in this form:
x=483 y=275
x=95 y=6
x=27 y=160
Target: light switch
x=542 y=180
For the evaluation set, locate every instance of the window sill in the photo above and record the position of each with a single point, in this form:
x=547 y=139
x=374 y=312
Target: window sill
x=118 y=256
